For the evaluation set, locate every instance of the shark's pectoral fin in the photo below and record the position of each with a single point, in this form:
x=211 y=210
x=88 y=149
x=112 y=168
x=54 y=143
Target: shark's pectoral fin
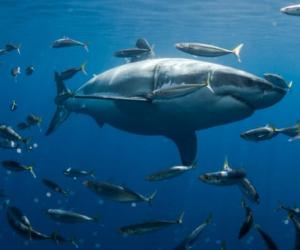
x=187 y=145
x=59 y=117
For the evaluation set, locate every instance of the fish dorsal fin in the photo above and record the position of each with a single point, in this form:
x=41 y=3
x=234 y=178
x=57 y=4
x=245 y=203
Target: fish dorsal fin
x=271 y=126
x=226 y=166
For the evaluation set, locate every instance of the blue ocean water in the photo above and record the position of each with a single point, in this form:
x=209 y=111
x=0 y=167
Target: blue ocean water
x=271 y=45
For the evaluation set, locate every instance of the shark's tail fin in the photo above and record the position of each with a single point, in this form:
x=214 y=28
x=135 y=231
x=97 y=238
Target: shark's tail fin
x=62 y=113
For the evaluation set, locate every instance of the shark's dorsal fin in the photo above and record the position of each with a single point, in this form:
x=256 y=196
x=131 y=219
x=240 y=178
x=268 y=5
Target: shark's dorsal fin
x=226 y=166
x=186 y=143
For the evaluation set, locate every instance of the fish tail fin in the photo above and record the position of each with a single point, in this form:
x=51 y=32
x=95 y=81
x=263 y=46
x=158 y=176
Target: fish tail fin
x=194 y=165
x=30 y=169
x=237 y=50
x=86 y=47
x=54 y=237
x=151 y=197
x=73 y=240
x=208 y=220
x=19 y=48
x=83 y=68
x=26 y=140
x=92 y=174
x=180 y=218
x=62 y=113
x=96 y=218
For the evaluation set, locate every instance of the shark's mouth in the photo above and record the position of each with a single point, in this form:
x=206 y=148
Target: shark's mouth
x=242 y=101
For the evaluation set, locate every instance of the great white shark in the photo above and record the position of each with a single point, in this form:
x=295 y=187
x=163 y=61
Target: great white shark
x=172 y=97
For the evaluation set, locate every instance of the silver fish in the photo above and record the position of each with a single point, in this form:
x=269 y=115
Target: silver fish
x=260 y=134
x=249 y=190
x=267 y=239
x=29 y=70
x=117 y=193
x=207 y=50
x=248 y=223
x=8 y=133
x=132 y=52
x=190 y=240
x=293 y=10
x=292 y=132
x=149 y=226
x=15 y=71
x=8 y=144
x=10 y=47
x=170 y=173
x=68 y=42
x=54 y=186
x=69 y=216
x=15 y=166
x=227 y=176
x=69 y=73
x=75 y=173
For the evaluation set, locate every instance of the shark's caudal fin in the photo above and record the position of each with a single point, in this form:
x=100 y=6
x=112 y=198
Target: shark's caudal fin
x=61 y=114
x=187 y=146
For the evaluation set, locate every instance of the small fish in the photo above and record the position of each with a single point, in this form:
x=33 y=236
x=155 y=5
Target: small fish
x=175 y=91
x=207 y=50
x=260 y=134
x=292 y=212
x=116 y=192
x=60 y=239
x=8 y=144
x=75 y=173
x=53 y=186
x=23 y=229
x=69 y=73
x=297 y=232
x=23 y=125
x=8 y=133
x=15 y=71
x=68 y=42
x=15 y=166
x=10 y=47
x=227 y=176
x=249 y=190
x=29 y=70
x=293 y=10
x=132 y=52
x=13 y=105
x=69 y=217
x=248 y=223
x=267 y=239
x=190 y=240
x=34 y=120
x=149 y=226
x=170 y=173
x=18 y=215
x=293 y=132
x=3 y=52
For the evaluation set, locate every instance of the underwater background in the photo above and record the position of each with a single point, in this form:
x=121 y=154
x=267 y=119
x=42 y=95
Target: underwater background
x=271 y=45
